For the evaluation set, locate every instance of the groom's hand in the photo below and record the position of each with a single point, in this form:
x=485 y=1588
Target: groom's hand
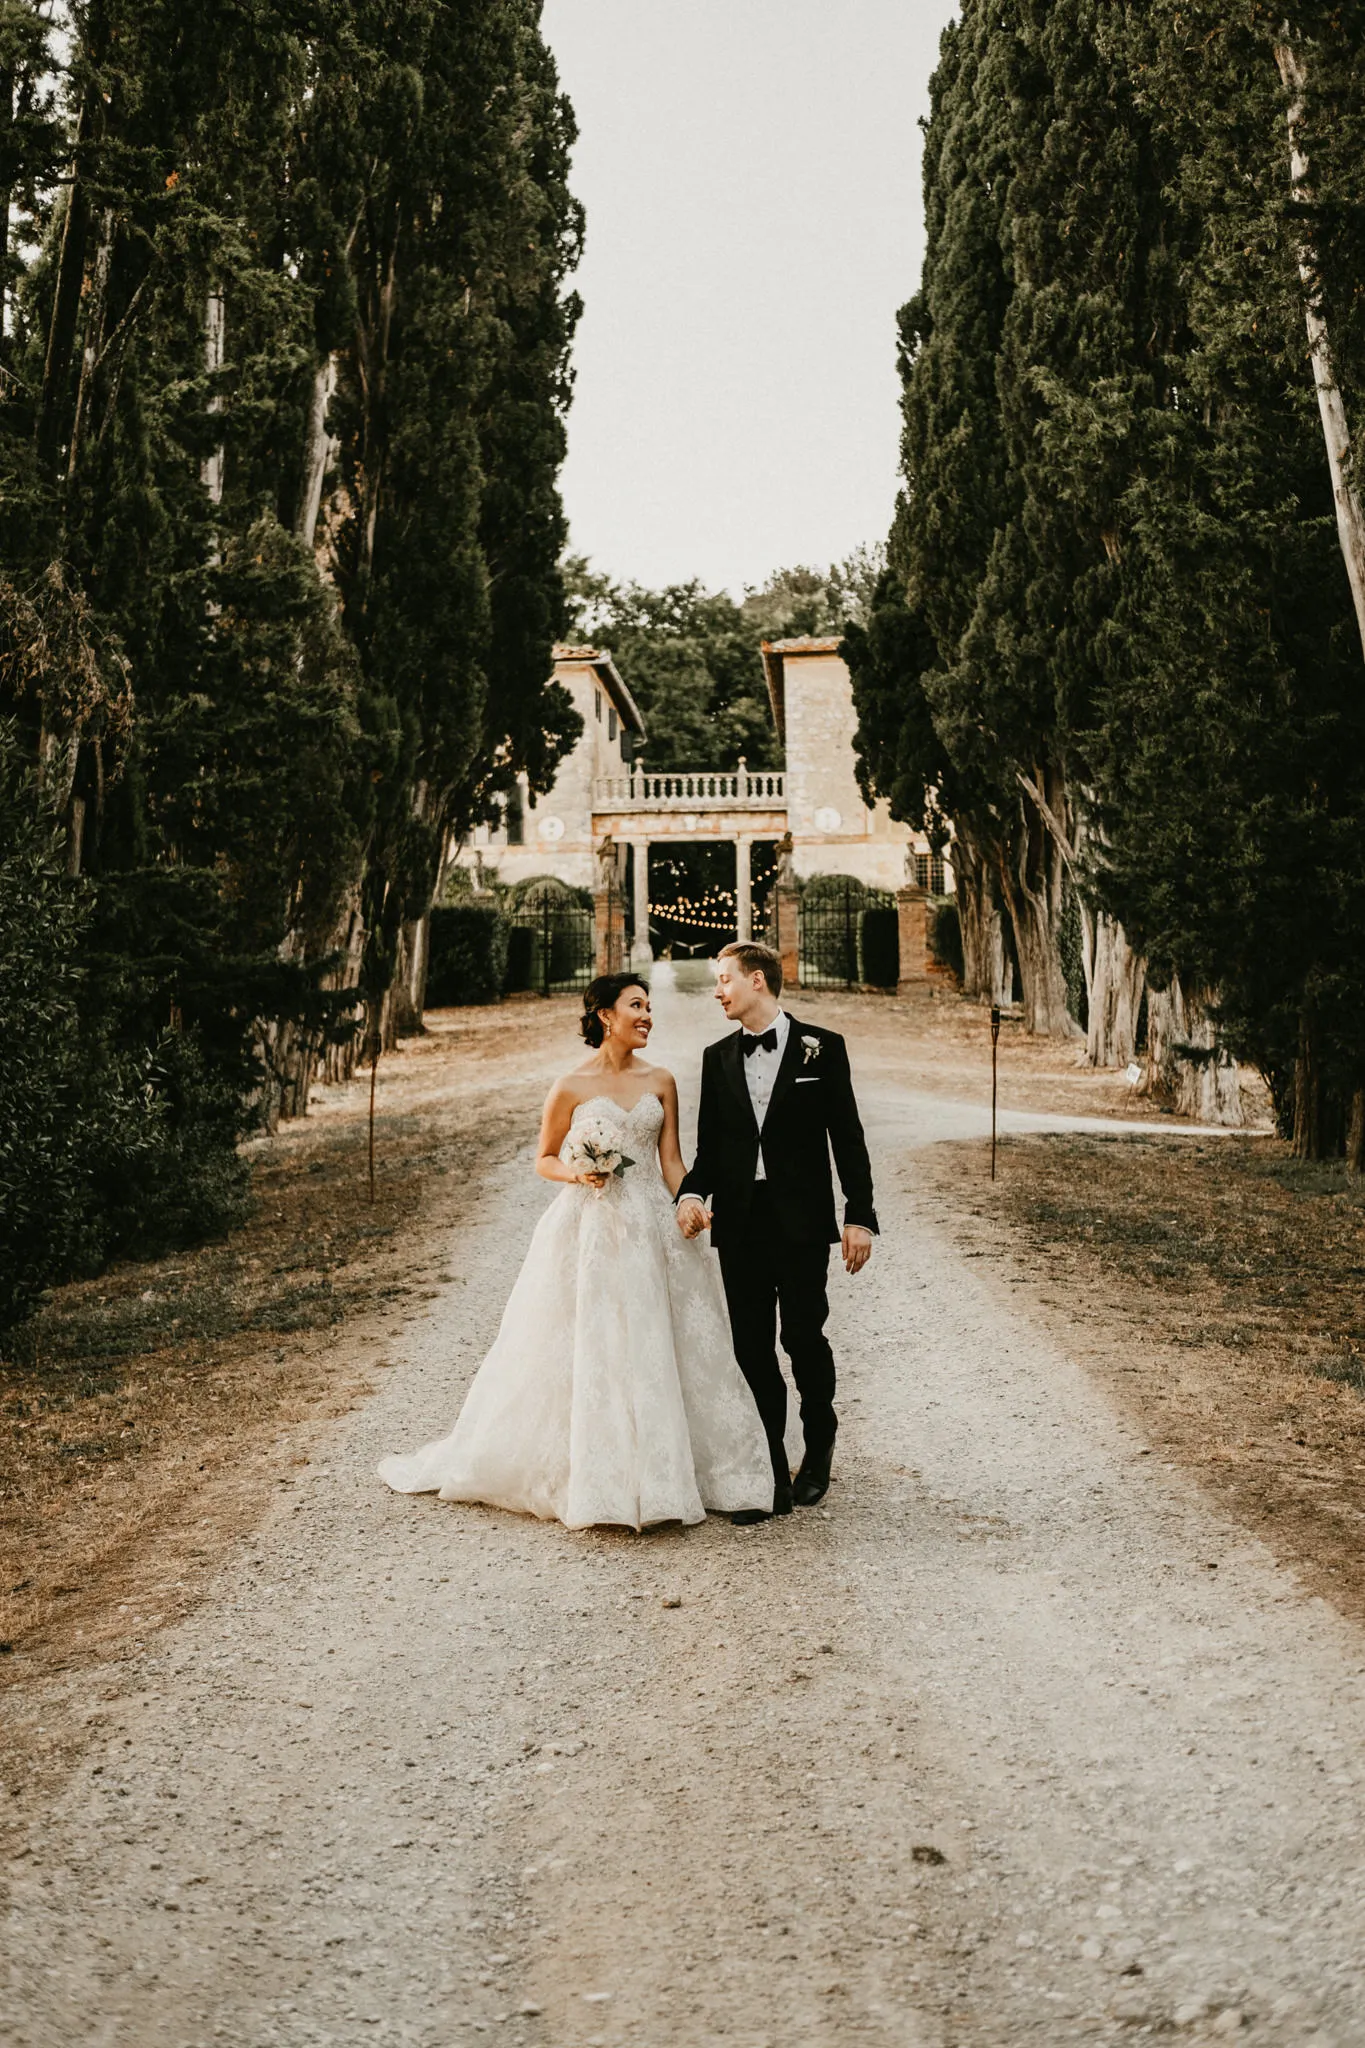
x=857 y=1247
x=693 y=1216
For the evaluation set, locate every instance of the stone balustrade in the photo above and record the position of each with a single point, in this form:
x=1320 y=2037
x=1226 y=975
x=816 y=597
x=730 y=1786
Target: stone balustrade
x=741 y=789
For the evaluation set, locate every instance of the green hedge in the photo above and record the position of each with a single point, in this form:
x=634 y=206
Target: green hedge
x=103 y=1151
x=945 y=934
x=468 y=957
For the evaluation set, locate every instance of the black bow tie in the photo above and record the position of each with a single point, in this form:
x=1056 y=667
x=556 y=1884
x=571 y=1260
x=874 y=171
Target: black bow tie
x=752 y=1040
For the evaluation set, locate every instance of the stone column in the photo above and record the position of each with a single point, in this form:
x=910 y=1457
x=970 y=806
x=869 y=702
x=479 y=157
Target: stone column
x=912 y=908
x=744 y=892
x=609 y=909
x=788 y=937
x=609 y=953
x=642 y=953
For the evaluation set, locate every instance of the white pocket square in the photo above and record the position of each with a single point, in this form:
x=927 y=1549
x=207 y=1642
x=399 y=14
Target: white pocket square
x=807 y=1080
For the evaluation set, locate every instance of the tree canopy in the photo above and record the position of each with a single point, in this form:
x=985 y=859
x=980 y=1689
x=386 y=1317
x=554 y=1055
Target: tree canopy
x=692 y=657
x=1116 y=641
x=283 y=378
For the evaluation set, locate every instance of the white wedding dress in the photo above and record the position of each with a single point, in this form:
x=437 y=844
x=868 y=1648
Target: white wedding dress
x=611 y=1393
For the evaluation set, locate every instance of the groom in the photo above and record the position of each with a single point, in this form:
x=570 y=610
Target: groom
x=776 y=1097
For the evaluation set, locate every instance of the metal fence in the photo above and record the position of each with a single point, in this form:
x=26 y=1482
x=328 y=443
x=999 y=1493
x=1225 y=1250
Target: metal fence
x=550 y=944
x=849 y=936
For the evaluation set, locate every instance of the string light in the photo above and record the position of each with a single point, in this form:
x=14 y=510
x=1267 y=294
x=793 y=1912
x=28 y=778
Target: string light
x=707 y=912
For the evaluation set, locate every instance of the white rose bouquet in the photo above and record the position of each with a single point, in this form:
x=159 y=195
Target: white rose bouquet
x=591 y=1147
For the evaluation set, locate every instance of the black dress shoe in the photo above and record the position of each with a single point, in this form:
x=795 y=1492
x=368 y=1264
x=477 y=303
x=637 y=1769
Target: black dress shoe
x=744 y=1518
x=811 y=1483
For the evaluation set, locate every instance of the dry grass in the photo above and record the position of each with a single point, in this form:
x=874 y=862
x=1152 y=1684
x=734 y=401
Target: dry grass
x=1216 y=1287
x=934 y=1040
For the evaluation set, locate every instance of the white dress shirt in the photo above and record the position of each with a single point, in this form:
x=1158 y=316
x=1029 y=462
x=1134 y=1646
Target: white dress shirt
x=760 y=1075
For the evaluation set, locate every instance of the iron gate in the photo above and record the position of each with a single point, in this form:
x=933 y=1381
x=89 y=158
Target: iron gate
x=550 y=943
x=849 y=935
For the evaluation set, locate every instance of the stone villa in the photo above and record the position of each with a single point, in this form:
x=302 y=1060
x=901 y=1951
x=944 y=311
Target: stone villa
x=605 y=805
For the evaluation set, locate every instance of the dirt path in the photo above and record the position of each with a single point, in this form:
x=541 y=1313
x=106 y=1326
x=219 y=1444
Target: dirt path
x=1017 y=1741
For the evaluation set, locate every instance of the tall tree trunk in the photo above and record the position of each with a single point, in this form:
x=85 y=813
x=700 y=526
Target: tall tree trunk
x=373 y=338
x=61 y=333
x=317 y=451
x=1188 y=1068
x=9 y=81
x=1117 y=979
x=97 y=300
x=213 y=467
x=295 y=1053
x=66 y=296
x=979 y=914
x=1033 y=872
x=339 y=1058
x=1355 y=1133
x=1331 y=406
x=1325 y=1126
x=410 y=982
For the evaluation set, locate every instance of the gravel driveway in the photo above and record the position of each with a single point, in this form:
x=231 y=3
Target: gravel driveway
x=1014 y=1741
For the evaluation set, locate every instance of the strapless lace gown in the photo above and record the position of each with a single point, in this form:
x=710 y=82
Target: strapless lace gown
x=611 y=1394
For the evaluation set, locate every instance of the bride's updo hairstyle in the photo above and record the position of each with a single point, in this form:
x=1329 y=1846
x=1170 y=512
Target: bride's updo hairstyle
x=604 y=994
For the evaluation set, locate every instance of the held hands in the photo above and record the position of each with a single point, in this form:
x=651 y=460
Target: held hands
x=857 y=1247
x=693 y=1216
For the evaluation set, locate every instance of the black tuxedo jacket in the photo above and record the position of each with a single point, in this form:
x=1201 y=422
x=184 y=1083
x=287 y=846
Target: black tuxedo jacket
x=812 y=1112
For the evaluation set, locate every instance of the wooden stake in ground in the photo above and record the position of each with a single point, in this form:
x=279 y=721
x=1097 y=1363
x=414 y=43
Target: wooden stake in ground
x=995 y=1044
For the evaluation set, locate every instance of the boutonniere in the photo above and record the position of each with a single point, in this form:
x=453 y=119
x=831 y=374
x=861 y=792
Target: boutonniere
x=810 y=1048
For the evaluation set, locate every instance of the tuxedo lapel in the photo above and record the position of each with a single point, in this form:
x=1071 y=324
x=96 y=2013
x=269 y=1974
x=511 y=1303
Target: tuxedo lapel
x=732 y=1066
x=786 y=1073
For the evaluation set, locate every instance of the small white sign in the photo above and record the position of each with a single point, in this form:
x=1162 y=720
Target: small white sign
x=550 y=828
x=827 y=819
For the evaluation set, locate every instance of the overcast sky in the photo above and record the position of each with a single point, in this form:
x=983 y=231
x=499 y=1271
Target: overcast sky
x=750 y=170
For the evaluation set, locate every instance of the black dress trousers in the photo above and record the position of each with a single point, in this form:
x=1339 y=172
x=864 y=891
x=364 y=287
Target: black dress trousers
x=775 y=1281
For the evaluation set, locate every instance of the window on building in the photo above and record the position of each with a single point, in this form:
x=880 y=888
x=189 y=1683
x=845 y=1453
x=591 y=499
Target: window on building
x=597 y=700
x=611 y=723
x=930 y=873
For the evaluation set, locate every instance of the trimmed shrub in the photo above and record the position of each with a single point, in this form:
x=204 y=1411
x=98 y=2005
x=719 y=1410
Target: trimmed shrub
x=827 y=889
x=468 y=958
x=945 y=934
x=103 y=1151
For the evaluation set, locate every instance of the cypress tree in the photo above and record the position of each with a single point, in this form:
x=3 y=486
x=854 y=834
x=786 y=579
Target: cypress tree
x=1231 y=731
x=283 y=397
x=915 y=731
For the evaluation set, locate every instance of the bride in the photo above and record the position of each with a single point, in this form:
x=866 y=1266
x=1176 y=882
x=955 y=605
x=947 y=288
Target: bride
x=611 y=1393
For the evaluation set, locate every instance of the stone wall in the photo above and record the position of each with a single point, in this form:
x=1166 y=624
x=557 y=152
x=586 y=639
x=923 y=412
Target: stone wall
x=833 y=830
x=557 y=830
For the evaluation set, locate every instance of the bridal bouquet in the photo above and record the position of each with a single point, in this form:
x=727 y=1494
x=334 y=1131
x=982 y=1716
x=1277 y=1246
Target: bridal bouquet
x=591 y=1147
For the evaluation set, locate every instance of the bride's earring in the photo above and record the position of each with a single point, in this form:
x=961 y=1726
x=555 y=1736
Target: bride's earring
x=606 y=1031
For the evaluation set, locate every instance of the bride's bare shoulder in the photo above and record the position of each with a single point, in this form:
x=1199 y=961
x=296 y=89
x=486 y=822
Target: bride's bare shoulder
x=576 y=1083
